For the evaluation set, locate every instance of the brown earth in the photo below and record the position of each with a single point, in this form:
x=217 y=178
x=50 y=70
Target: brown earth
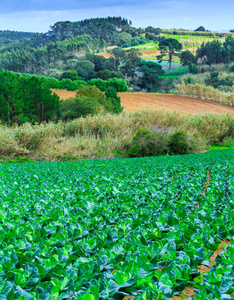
x=149 y=53
x=185 y=105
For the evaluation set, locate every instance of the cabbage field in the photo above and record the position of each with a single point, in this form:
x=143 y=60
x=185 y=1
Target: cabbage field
x=117 y=229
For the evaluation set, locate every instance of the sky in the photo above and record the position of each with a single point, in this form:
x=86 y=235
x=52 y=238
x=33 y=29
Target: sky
x=38 y=15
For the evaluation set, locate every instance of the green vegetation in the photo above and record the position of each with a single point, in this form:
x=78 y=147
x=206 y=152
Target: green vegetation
x=106 y=229
x=26 y=99
x=7 y=35
x=170 y=48
x=157 y=142
x=69 y=51
x=109 y=135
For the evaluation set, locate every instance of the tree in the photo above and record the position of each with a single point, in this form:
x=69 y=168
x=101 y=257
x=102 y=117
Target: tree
x=107 y=74
x=153 y=30
x=188 y=59
x=119 y=55
x=200 y=28
x=111 y=95
x=132 y=59
x=93 y=92
x=228 y=49
x=211 y=52
x=169 y=47
x=77 y=107
x=151 y=72
x=25 y=98
x=85 y=69
x=70 y=74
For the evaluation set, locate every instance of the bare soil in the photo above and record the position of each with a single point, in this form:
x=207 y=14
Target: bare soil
x=149 y=54
x=182 y=104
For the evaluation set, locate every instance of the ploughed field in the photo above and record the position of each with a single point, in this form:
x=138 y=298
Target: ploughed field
x=183 y=104
x=145 y=228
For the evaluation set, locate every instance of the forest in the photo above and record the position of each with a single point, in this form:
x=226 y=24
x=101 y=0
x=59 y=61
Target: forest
x=106 y=54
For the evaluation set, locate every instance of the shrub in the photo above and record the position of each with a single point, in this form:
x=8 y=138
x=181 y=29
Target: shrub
x=148 y=143
x=73 y=108
x=232 y=68
x=70 y=74
x=111 y=95
x=107 y=74
x=178 y=143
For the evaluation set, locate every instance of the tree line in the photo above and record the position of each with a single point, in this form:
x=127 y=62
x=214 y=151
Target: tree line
x=215 y=52
x=29 y=98
x=7 y=35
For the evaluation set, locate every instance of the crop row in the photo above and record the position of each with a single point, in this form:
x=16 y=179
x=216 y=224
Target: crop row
x=108 y=229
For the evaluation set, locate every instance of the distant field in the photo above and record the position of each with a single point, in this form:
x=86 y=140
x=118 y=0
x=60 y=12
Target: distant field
x=149 y=53
x=185 y=105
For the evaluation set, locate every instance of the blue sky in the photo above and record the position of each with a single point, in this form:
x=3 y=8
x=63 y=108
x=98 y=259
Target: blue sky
x=38 y=15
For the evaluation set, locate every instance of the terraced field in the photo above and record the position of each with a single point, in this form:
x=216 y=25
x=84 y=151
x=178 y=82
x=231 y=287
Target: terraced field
x=185 y=105
x=145 y=228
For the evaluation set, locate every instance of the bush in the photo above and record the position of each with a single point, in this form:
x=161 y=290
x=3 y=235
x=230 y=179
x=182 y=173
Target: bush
x=149 y=143
x=70 y=74
x=111 y=95
x=232 y=68
x=178 y=143
x=160 y=142
x=107 y=74
x=74 y=108
x=117 y=83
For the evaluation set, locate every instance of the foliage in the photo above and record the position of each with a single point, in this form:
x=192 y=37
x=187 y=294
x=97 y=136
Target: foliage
x=131 y=61
x=25 y=98
x=100 y=62
x=116 y=228
x=159 y=142
x=107 y=74
x=216 y=82
x=151 y=72
x=7 y=35
x=117 y=83
x=70 y=74
x=85 y=69
x=205 y=92
x=111 y=95
x=96 y=94
x=169 y=47
x=188 y=59
x=200 y=28
x=215 y=52
x=149 y=143
x=178 y=143
x=119 y=55
x=153 y=30
x=231 y=68
x=74 y=108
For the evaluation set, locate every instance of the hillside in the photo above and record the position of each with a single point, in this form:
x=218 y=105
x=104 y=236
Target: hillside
x=7 y=36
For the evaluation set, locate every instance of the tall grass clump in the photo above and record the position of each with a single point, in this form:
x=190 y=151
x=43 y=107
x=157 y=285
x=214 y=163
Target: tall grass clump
x=205 y=92
x=105 y=135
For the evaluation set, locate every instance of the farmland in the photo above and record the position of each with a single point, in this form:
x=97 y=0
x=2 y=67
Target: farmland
x=185 y=105
x=111 y=229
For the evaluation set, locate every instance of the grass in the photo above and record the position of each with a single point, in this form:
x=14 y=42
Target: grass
x=147 y=46
x=106 y=135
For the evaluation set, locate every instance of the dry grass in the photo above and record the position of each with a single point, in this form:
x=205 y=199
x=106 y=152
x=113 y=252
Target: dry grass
x=104 y=135
x=205 y=92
